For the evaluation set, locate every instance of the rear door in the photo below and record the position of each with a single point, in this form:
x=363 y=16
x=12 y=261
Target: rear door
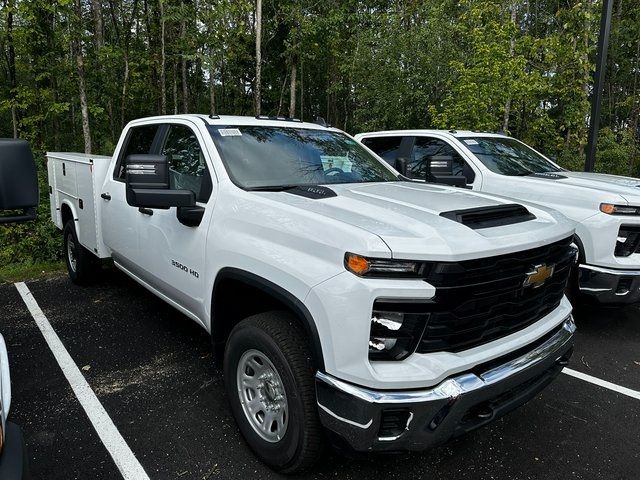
x=120 y=222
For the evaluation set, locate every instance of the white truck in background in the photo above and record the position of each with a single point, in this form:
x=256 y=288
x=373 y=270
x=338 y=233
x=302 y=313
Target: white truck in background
x=391 y=315
x=606 y=208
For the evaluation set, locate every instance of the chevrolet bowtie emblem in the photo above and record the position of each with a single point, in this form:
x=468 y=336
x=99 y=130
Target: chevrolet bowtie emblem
x=538 y=275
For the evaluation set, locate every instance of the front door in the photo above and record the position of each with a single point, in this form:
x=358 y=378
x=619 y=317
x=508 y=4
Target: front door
x=172 y=255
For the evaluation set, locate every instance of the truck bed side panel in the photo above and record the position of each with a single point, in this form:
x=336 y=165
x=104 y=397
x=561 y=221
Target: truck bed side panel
x=77 y=181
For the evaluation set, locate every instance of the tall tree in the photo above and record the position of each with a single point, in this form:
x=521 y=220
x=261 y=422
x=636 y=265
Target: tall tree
x=163 y=61
x=11 y=67
x=82 y=87
x=258 y=80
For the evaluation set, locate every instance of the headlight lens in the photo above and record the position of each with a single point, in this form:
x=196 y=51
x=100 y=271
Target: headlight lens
x=611 y=209
x=628 y=241
x=382 y=267
x=396 y=329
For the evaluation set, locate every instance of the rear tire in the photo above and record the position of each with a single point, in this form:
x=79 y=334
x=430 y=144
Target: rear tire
x=270 y=382
x=82 y=265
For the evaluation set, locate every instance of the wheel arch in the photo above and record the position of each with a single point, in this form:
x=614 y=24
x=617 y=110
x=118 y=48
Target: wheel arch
x=221 y=327
x=66 y=212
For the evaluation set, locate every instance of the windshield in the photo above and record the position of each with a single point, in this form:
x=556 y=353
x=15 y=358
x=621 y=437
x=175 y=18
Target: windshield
x=261 y=157
x=508 y=156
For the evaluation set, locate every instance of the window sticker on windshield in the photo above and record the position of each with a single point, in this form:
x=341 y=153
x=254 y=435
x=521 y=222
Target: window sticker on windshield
x=230 y=132
x=471 y=141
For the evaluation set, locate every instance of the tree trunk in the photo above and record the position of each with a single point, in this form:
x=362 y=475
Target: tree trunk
x=212 y=84
x=12 y=67
x=183 y=63
x=512 y=48
x=281 y=101
x=98 y=35
x=292 y=89
x=163 y=62
x=125 y=81
x=258 y=85
x=635 y=109
x=82 y=89
x=175 y=88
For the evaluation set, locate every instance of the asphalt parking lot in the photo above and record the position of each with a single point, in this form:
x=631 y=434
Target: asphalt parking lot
x=152 y=370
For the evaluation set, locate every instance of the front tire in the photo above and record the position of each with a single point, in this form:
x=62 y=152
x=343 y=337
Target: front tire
x=270 y=382
x=82 y=265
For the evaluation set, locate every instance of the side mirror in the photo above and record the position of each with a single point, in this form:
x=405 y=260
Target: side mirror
x=440 y=170
x=401 y=165
x=147 y=183
x=19 y=192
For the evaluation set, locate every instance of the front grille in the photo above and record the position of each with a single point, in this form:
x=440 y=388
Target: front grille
x=478 y=301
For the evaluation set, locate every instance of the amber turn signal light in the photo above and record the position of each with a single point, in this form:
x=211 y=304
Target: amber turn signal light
x=357 y=264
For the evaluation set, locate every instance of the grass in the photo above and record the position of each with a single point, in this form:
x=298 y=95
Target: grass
x=20 y=272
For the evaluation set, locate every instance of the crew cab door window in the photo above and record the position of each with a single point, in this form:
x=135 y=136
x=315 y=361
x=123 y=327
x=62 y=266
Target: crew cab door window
x=187 y=166
x=426 y=147
x=386 y=147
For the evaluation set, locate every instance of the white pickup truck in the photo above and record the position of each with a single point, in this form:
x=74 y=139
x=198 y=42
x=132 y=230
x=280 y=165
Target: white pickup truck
x=392 y=315
x=605 y=207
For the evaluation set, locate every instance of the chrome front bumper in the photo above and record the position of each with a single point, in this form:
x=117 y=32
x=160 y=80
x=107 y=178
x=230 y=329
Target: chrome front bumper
x=374 y=420
x=609 y=286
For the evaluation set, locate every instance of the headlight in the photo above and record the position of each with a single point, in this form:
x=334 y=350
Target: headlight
x=611 y=209
x=382 y=267
x=628 y=241
x=396 y=329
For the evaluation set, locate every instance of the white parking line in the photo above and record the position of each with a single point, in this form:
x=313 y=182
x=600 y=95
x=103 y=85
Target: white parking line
x=122 y=455
x=602 y=383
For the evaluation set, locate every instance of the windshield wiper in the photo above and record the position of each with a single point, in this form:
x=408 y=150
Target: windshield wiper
x=272 y=188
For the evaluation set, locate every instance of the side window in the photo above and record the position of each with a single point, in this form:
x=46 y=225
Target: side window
x=140 y=140
x=426 y=147
x=187 y=166
x=387 y=147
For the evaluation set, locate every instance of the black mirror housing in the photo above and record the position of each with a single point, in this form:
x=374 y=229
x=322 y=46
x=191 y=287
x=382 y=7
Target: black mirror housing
x=147 y=181
x=158 y=198
x=440 y=170
x=18 y=181
x=147 y=171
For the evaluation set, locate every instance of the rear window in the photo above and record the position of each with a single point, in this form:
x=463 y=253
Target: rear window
x=387 y=147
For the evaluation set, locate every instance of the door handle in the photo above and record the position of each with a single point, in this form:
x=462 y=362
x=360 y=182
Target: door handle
x=145 y=211
x=106 y=196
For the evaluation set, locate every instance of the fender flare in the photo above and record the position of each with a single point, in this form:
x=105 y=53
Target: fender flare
x=282 y=295
x=74 y=215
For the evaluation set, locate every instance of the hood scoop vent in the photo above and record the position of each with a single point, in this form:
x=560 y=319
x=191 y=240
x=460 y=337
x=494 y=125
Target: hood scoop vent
x=487 y=217
x=312 y=191
x=549 y=176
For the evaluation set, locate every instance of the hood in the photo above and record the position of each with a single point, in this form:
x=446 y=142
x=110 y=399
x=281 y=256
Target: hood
x=406 y=216
x=604 y=184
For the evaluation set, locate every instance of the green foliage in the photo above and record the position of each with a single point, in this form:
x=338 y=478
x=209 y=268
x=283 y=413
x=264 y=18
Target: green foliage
x=384 y=64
